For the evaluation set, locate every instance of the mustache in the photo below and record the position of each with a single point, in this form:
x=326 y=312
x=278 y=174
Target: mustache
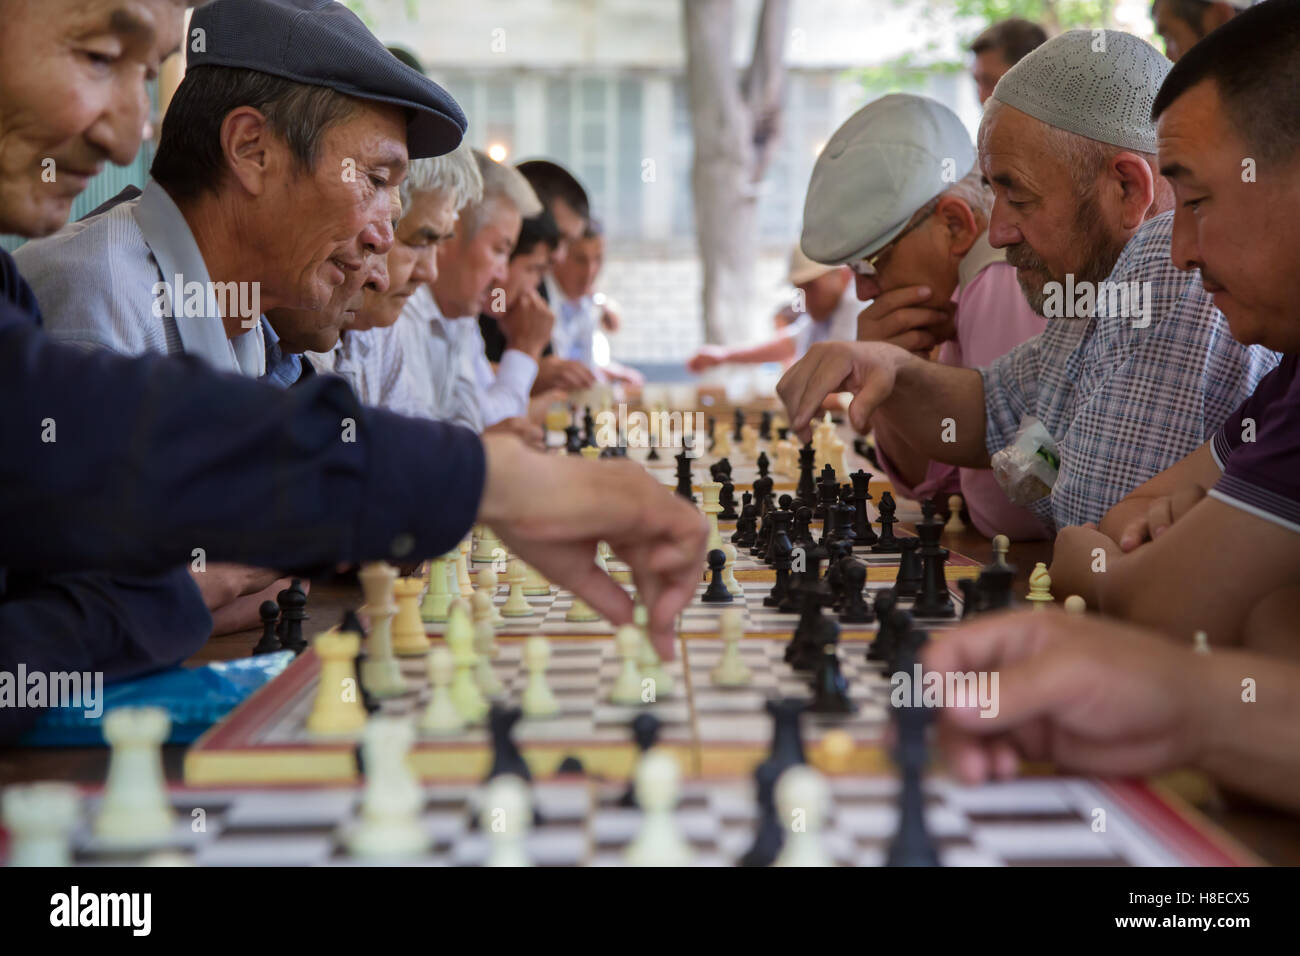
x=1022 y=256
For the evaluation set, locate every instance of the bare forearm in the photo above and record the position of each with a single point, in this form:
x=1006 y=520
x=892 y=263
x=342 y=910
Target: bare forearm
x=1252 y=737
x=907 y=462
x=941 y=411
x=779 y=349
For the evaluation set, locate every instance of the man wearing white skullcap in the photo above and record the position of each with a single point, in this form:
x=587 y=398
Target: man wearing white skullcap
x=897 y=195
x=1182 y=23
x=1136 y=367
x=824 y=308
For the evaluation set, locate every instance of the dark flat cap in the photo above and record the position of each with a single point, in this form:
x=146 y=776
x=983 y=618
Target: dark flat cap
x=322 y=43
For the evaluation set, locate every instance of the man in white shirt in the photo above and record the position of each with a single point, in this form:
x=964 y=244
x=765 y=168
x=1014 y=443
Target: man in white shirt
x=439 y=325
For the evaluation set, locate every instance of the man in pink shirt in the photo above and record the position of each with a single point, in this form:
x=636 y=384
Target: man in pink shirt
x=896 y=195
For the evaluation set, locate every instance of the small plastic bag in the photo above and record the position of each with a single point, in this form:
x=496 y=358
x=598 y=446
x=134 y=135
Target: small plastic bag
x=1027 y=468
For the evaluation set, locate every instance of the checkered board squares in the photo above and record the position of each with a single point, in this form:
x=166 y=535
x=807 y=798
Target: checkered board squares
x=581 y=675
x=1031 y=822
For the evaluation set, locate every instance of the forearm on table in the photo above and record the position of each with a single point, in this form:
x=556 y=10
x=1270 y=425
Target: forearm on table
x=1251 y=740
x=933 y=402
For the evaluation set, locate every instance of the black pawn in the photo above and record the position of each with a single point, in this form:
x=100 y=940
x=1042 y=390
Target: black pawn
x=269 y=612
x=293 y=611
x=738 y=422
x=645 y=730
x=855 y=609
x=716 y=592
x=908 y=581
x=506 y=758
x=912 y=845
x=570 y=765
x=763 y=464
x=572 y=440
x=746 y=532
x=653 y=456
x=882 y=647
x=971 y=598
x=765 y=426
x=830 y=688
x=684 y=488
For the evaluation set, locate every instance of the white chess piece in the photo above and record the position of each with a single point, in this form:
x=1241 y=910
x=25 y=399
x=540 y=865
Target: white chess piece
x=538 y=701
x=729 y=572
x=381 y=672
x=954 y=524
x=659 y=842
x=648 y=661
x=711 y=490
x=135 y=810
x=390 y=811
x=488 y=582
x=465 y=693
x=441 y=715
x=337 y=708
x=534 y=584
x=517 y=604
x=580 y=612
x=488 y=546
x=731 y=670
x=462 y=570
x=506 y=816
x=485 y=645
x=627 y=688
x=801 y=799
x=1075 y=604
x=1201 y=642
x=437 y=599
x=40 y=818
x=409 y=639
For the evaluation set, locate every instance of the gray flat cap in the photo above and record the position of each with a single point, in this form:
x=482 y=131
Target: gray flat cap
x=1096 y=83
x=887 y=161
x=322 y=43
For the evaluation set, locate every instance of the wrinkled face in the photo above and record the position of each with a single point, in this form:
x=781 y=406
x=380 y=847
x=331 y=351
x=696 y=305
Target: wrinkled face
x=570 y=224
x=313 y=229
x=1047 y=228
x=470 y=266
x=1242 y=232
x=317 y=330
x=918 y=258
x=1179 y=35
x=989 y=68
x=526 y=272
x=429 y=223
x=72 y=96
x=576 y=275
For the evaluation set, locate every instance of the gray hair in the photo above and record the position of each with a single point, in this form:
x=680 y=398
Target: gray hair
x=454 y=175
x=972 y=190
x=501 y=184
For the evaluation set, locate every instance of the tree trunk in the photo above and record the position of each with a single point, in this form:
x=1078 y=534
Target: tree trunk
x=735 y=125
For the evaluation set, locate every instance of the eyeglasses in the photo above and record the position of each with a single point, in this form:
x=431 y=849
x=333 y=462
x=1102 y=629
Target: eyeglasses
x=869 y=266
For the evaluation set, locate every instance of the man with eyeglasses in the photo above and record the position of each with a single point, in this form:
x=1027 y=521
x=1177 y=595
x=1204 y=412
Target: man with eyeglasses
x=1136 y=368
x=898 y=198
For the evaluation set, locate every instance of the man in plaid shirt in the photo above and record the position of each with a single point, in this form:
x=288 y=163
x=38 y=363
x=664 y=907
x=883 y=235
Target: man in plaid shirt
x=1136 y=368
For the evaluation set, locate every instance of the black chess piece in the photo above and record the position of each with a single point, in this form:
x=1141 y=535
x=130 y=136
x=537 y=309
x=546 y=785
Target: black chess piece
x=765 y=426
x=269 y=612
x=570 y=765
x=933 y=600
x=854 y=608
x=971 y=597
x=653 y=455
x=684 y=483
x=993 y=587
x=783 y=432
x=712 y=433
x=837 y=553
x=738 y=422
x=746 y=532
x=293 y=611
x=572 y=440
x=764 y=463
x=830 y=687
x=828 y=490
x=782 y=520
x=506 y=758
x=786 y=751
x=862 y=530
x=907 y=641
x=588 y=428
x=911 y=845
x=727 y=499
x=806 y=489
x=881 y=649
x=908 y=581
x=782 y=557
x=787 y=731
x=801 y=534
x=645 y=730
x=846 y=517
x=352 y=625
x=886 y=543
x=813 y=595
x=716 y=592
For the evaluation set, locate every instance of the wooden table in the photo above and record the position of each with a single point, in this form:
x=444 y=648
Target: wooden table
x=1272 y=835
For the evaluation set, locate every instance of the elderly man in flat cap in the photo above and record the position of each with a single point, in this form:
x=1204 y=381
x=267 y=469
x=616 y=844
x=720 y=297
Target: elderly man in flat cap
x=1136 y=367
x=897 y=196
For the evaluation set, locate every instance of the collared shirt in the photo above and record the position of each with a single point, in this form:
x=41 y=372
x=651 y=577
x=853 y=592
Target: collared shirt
x=503 y=393
x=282 y=368
x=991 y=319
x=437 y=375
x=574 y=333
x=1123 y=402
x=111 y=280
x=372 y=362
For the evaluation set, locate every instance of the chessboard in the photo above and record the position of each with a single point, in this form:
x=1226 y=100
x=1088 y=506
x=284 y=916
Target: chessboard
x=1037 y=821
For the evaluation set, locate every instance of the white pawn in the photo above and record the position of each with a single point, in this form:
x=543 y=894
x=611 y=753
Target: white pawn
x=731 y=670
x=1201 y=642
x=1075 y=604
x=465 y=693
x=538 y=701
x=487 y=582
x=517 y=604
x=954 y=524
x=659 y=842
x=506 y=816
x=437 y=599
x=136 y=810
x=580 y=612
x=441 y=715
x=627 y=688
x=485 y=644
x=390 y=811
x=40 y=818
x=462 y=570
x=801 y=799
x=648 y=658
x=381 y=673
x=534 y=584
x=729 y=572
